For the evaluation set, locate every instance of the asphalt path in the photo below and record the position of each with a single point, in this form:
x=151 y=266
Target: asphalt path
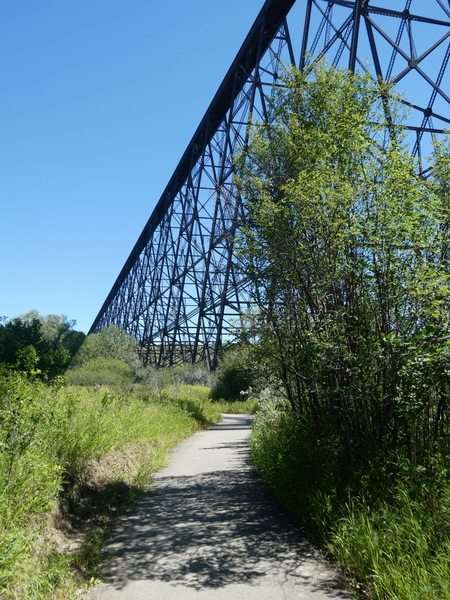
x=208 y=529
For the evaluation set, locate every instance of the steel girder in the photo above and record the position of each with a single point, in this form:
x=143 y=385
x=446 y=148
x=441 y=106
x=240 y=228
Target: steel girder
x=182 y=292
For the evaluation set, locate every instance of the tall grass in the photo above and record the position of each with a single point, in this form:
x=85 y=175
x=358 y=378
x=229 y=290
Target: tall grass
x=103 y=420
x=197 y=401
x=57 y=443
x=390 y=531
x=394 y=550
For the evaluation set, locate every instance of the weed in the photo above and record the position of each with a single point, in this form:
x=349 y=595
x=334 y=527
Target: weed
x=89 y=452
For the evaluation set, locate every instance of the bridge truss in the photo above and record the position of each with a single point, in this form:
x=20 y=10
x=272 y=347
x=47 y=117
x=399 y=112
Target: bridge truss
x=182 y=291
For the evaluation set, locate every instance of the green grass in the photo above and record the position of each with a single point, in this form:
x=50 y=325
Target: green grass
x=81 y=454
x=391 y=534
x=197 y=401
x=399 y=550
x=238 y=407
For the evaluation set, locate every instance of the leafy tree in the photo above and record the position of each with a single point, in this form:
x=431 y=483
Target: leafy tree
x=114 y=343
x=57 y=330
x=348 y=251
x=40 y=345
x=15 y=336
x=236 y=373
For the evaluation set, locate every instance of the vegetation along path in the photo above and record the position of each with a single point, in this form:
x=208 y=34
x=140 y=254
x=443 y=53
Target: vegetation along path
x=208 y=528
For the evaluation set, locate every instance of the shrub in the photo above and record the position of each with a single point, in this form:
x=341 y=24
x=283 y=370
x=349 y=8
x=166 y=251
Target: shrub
x=391 y=533
x=236 y=374
x=41 y=346
x=113 y=342
x=302 y=469
x=101 y=371
x=197 y=374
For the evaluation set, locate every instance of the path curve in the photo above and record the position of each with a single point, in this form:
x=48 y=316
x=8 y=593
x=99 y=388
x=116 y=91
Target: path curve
x=208 y=529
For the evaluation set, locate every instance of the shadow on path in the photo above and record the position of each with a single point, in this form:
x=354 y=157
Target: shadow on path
x=213 y=529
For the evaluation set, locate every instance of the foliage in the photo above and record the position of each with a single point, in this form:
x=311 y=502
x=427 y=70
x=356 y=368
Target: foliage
x=101 y=371
x=197 y=374
x=40 y=346
x=239 y=407
x=57 y=330
x=301 y=468
x=197 y=401
x=395 y=551
x=193 y=399
x=187 y=374
x=235 y=375
x=347 y=248
x=392 y=533
x=30 y=480
x=112 y=343
x=62 y=446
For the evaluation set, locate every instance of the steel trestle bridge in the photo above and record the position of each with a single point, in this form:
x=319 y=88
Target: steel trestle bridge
x=182 y=291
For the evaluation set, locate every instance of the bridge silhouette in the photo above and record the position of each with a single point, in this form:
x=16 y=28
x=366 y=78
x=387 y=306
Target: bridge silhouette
x=182 y=291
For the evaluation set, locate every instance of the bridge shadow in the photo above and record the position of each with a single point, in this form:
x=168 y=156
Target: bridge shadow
x=210 y=530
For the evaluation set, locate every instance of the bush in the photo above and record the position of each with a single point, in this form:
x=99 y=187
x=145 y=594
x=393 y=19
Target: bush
x=301 y=468
x=101 y=371
x=112 y=342
x=391 y=533
x=236 y=374
x=39 y=346
x=197 y=374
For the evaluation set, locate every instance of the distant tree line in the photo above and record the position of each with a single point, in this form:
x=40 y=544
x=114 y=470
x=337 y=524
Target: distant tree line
x=46 y=347
x=39 y=345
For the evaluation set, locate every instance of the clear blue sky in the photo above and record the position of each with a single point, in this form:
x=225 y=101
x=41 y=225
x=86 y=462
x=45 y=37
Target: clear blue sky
x=98 y=100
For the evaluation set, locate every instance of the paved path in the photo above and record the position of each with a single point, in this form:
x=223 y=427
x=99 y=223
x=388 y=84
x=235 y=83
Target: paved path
x=209 y=530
